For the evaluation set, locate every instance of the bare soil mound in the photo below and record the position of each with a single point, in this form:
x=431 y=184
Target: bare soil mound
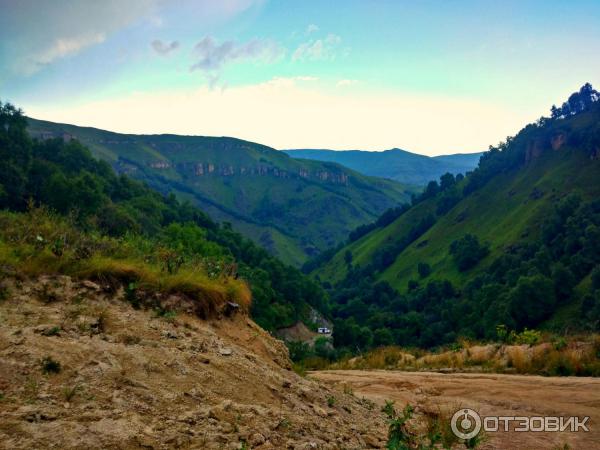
x=80 y=368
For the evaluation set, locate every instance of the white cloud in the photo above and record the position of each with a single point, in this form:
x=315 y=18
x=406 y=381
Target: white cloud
x=212 y=57
x=343 y=83
x=292 y=113
x=312 y=28
x=60 y=48
x=318 y=49
x=162 y=48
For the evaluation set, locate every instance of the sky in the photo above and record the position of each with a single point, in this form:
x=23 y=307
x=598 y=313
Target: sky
x=432 y=77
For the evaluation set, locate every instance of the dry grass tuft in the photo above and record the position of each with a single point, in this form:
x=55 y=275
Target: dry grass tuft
x=578 y=356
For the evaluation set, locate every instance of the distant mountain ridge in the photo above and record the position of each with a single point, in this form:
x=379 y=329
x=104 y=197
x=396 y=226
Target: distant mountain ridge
x=395 y=164
x=294 y=208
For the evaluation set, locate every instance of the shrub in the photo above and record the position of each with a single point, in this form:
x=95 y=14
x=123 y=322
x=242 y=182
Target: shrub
x=131 y=295
x=528 y=337
x=559 y=343
x=54 y=331
x=299 y=350
x=467 y=252
x=532 y=300
x=4 y=293
x=424 y=270
x=50 y=366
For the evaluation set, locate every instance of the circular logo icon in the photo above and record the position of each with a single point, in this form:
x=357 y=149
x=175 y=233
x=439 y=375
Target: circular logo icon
x=465 y=423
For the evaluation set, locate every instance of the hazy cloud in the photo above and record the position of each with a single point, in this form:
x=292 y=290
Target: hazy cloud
x=212 y=57
x=162 y=48
x=65 y=46
x=312 y=28
x=343 y=83
x=318 y=49
x=36 y=33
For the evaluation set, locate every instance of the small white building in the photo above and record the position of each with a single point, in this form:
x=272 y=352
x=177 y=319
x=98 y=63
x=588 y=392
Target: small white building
x=323 y=330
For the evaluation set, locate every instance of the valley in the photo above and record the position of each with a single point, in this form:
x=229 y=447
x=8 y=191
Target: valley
x=295 y=209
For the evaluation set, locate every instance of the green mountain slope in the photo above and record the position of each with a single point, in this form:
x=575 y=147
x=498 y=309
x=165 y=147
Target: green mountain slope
x=294 y=208
x=509 y=207
x=62 y=211
x=514 y=244
x=395 y=164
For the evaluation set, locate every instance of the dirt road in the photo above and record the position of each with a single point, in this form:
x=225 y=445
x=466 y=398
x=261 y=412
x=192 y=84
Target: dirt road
x=489 y=395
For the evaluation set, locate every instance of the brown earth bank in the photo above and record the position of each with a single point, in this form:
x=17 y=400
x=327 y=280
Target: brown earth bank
x=489 y=395
x=81 y=368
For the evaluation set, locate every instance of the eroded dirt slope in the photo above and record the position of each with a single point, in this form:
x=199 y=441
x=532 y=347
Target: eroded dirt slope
x=131 y=379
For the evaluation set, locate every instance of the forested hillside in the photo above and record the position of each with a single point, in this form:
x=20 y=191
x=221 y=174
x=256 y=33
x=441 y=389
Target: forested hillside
x=96 y=219
x=515 y=244
x=292 y=208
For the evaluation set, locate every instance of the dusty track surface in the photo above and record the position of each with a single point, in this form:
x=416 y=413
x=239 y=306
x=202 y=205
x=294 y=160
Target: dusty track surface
x=489 y=395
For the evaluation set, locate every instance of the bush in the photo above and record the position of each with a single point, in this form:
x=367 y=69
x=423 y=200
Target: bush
x=528 y=337
x=467 y=252
x=424 y=269
x=298 y=350
x=50 y=366
x=532 y=300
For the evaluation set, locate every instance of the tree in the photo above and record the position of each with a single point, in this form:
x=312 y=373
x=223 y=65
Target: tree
x=323 y=348
x=424 y=269
x=348 y=257
x=382 y=337
x=467 y=252
x=532 y=300
x=564 y=281
x=431 y=190
x=596 y=278
x=15 y=156
x=447 y=181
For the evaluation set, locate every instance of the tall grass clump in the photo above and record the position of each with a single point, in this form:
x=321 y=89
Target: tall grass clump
x=40 y=242
x=529 y=352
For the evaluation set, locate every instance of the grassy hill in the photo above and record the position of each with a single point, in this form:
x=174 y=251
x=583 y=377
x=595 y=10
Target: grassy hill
x=294 y=208
x=515 y=244
x=509 y=207
x=395 y=164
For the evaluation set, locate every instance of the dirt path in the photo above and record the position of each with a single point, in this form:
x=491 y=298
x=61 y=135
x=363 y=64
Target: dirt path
x=489 y=395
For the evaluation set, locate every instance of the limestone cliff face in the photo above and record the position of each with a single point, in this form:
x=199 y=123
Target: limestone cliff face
x=534 y=150
x=200 y=169
x=558 y=140
x=537 y=147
